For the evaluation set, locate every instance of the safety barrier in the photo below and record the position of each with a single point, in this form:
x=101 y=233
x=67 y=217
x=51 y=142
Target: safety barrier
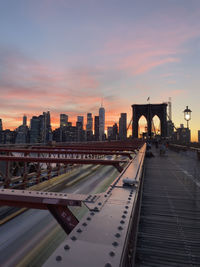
x=106 y=235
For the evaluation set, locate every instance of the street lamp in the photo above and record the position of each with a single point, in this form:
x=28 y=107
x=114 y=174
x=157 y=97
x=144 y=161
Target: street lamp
x=187 y=115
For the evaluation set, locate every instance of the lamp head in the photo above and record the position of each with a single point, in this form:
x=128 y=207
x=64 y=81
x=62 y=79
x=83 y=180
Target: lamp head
x=187 y=114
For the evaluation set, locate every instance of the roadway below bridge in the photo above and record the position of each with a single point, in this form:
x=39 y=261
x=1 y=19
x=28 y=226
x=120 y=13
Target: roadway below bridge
x=30 y=238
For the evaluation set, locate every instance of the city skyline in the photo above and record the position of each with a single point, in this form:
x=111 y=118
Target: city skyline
x=108 y=124
x=65 y=56
x=63 y=119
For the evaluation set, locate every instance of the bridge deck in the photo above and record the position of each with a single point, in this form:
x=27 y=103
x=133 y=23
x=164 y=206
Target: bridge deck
x=169 y=229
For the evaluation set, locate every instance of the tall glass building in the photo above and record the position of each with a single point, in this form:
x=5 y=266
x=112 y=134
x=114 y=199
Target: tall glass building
x=101 y=124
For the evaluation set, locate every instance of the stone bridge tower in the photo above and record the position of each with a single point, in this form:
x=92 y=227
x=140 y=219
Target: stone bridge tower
x=149 y=111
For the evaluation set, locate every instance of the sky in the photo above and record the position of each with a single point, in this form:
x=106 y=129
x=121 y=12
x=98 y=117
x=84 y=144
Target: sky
x=66 y=55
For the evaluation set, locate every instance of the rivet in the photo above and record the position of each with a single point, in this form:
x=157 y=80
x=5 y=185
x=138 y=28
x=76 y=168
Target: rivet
x=108 y=265
x=129 y=198
x=66 y=247
x=123 y=216
x=105 y=195
x=58 y=258
x=84 y=224
x=112 y=254
x=126 y=207
x=73 y=238
x=120 y=228
x=99 y=203
x=79 y=230
x=88 y=218
x=115 y=244
x=125 y=212
x=122 y=222
x=117 y=235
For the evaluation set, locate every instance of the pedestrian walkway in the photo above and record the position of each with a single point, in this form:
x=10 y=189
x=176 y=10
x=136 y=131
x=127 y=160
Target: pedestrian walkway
x=169 y=228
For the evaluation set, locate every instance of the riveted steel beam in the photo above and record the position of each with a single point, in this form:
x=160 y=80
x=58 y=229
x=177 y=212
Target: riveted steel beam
x=103 y=236
x=64 y=217
x=66 y=151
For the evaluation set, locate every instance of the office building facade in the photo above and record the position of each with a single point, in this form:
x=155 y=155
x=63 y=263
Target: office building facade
x=96 y=128
x=63 y=120
x=89 y=127
x=123 y=126
x=101 y=124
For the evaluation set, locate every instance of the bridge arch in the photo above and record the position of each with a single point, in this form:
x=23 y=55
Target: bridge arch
x=149 y=111
x=142 y=127
x=155 y=126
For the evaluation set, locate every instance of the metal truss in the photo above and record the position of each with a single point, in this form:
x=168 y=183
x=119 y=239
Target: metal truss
x=56 y=203
x=103 y=236
x=63 y=156
x=66 y=151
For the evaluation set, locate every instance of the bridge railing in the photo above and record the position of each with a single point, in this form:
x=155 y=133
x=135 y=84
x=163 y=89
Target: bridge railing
x=178 y=148
x=106 y=236
x=16 y=161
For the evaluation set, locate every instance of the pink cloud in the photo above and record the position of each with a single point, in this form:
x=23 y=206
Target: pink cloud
x=31 y=87
x=143 y=68
x=137 y=53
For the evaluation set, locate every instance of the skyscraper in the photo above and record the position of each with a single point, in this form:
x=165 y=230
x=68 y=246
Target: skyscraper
x=96 y=128
x=40 y=128
x=46 y=132
x=109 y=133
x=63 y=120
x=22 y=132
x=115 y=131
x=80 y=119
x=101 y=123
x=199 y=136
x=1 y=133
x=89 y=127
x=1 y=126
x=35 y=130
x=24 y=120
x=123 y=126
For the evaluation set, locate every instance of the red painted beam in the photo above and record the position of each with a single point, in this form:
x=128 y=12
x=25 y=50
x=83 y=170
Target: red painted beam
x=66 y=151
x=64 y=217
x=38 y=199
x=124 y=145
x=115 y=148
x=56 y=203
x=61 y=160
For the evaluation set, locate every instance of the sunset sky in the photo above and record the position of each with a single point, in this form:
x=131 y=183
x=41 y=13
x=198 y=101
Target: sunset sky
x=66 y=55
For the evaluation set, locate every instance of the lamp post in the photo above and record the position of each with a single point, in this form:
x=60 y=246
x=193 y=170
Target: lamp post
x=187 y=115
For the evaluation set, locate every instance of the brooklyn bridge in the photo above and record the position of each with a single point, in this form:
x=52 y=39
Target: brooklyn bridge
x=109 y=203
